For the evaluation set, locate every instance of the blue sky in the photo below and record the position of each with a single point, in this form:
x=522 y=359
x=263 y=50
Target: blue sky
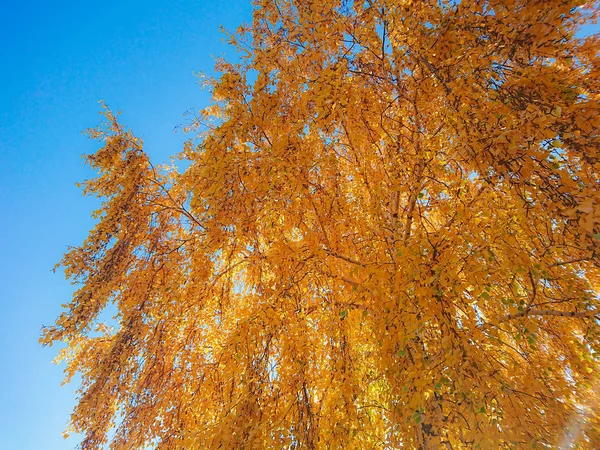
x=58 y=60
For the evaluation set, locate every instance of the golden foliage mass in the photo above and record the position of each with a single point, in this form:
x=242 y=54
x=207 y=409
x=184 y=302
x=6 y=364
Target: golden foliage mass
x=387 y=236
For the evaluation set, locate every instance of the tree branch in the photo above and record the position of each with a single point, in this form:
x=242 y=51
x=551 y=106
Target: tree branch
x=550 y=312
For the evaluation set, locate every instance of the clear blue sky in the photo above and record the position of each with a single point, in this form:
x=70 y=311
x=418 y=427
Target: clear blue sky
x=58 y=59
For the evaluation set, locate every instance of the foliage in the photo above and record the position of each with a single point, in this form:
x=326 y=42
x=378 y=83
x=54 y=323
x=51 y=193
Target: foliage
x=388 y=236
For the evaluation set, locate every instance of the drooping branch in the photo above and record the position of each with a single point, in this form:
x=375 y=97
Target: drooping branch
x=550 y=312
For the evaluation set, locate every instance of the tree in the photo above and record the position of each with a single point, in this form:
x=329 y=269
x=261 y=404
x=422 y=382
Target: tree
x=387 y=236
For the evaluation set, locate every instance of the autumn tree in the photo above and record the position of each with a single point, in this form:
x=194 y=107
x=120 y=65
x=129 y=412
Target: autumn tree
x=387 y=235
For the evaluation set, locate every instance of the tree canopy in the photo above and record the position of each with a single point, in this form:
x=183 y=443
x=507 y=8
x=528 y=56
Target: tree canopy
x=386 y=235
